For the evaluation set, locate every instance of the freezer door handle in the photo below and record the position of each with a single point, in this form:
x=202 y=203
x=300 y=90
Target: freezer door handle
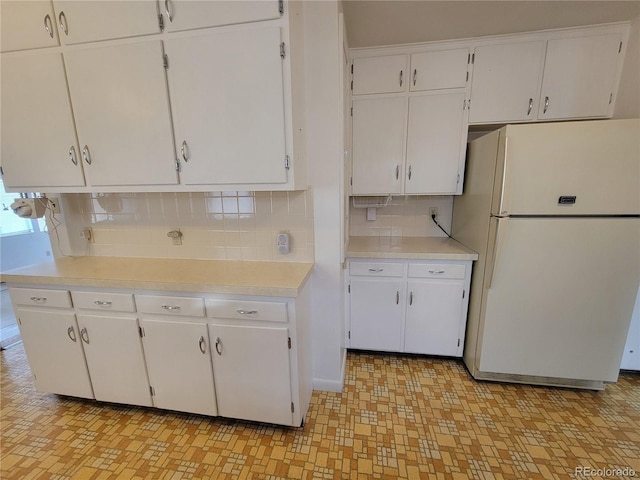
x=498 y=246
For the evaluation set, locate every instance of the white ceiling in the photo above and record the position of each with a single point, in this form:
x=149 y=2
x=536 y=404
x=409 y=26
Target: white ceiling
x=392 y=22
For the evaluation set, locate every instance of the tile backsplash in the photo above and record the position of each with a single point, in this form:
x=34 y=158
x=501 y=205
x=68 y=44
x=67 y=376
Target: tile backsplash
x=406 y=216
x=214 y=225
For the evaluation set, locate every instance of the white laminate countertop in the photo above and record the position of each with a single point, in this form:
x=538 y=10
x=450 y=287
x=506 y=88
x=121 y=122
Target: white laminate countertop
x=425 y=248
x=278 y=279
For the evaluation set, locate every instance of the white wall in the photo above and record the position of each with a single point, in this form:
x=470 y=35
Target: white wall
x=324 y=153
x=628 y=98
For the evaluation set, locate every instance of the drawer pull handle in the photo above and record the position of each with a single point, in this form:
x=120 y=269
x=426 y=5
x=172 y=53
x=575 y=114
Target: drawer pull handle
x=436 y=272
x=170 y=308
x=376 y=269
x=39 y=299
x=203 y=345
x=247 y=312
x=84 y=335
x=100 y=303
x=218 y=346
x=62 y=18
x=72 y=334
x=48 y=26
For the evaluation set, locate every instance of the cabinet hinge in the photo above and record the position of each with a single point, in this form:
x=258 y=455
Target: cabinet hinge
x=289 y=343
x=292 y=408
x=282 y=52
x=620 y=48
x=352 y=111
x=1 y=171
x=141 y=332
x=165 y=60
x=458 y=342
x=468 y=58
x=349 y=335
x=463 y=291
x=458 y=179
x=610 y=98
x=19 y=321
x=352 y=69
x=287 y=161
x=467 y=77
x=178 y=166
x=351 y=181
x=349 y=288
x=152 y=391
x=161 y=22
x=352 y=85
x=281 y=7
x=473 y=58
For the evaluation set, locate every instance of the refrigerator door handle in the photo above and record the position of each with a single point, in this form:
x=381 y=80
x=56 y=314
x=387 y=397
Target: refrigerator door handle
x=503 y=189
x=498 y=246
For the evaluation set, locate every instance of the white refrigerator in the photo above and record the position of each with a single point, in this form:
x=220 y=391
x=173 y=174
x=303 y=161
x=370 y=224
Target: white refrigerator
x=553 y=211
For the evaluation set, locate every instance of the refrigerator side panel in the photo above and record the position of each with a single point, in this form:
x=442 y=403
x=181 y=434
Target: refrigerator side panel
x=470 y=226
x=594 y=166
x=561 y=298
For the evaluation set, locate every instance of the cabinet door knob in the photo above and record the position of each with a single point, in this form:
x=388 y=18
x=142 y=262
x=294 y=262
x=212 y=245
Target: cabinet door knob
x=48 y=26
x=86 y=155
x=84 y=335
x=62 y=19
x=218 y=346
x=203 y=345
x=72 y=334
x=72 y=155
x=184 y=151
x=168 y=8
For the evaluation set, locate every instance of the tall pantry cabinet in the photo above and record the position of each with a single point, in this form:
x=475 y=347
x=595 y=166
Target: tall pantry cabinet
x=152 y=96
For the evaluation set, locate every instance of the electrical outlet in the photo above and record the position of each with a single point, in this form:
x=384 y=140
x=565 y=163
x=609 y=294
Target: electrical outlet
x=433 y=212
x=87 y=234
x=54 y=204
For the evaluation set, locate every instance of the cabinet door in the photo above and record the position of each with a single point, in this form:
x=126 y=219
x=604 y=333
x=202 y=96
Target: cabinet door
x=379 y=126
x=436 y=143
x=114 y=355
x=39 y=146
x=26 y=25
x=119 y=97
x=506 y=82
x=434 y=310
x=183 y=379
x=376 y=313
x=579 y=77
x=252 y=373
x=386 y=74
x=52 y=343
x=228 y=106
x=440 y=69
x=88 y=21
x=190 y=14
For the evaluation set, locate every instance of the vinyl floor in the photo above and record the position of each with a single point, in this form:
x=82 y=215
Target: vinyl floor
x=397 y=417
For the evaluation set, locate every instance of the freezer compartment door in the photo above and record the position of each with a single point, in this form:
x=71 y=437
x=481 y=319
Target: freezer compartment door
x=558 y=297
x=573 y=168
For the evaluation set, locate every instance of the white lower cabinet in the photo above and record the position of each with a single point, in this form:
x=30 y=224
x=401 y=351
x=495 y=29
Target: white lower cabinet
x=230 y=355
x=181 y=381
x=408 y=306
x=252 y=372
x=52 y=342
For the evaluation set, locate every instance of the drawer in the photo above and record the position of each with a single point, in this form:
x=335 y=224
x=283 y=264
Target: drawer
x=115 y=302
x=182 y=306
x=379 y=269
x=248 y=310
x=37 y=297
x=433 y=270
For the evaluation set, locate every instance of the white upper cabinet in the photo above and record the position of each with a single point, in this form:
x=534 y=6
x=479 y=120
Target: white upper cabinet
x=39 y=145
x=439 y=69
x=80 y=21
x=227 y=101
x=385 y=74
x=436 y=143
x=119 y=97
x=506 y=82
x=191 y=14
x=27 y=24
x=580 y=77
x=379 y=129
